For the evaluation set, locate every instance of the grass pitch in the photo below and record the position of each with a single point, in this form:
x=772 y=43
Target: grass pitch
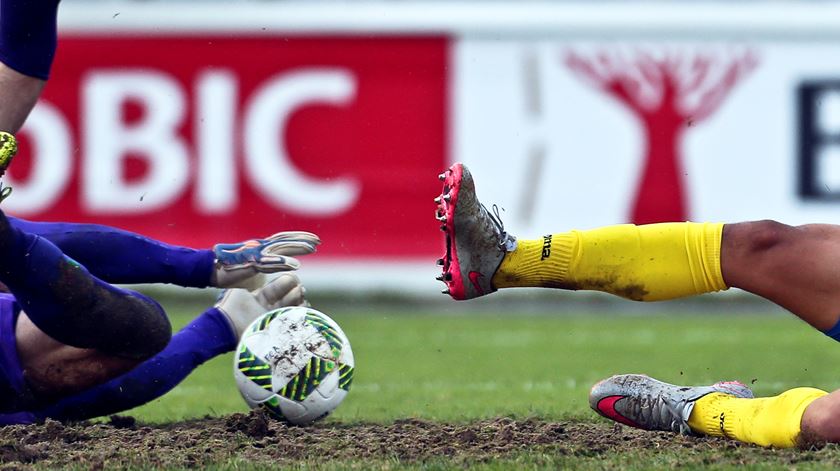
x=466 y=367
x=495 y=390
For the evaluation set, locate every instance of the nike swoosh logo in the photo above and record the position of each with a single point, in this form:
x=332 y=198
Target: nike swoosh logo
x=475 y=277
x=606 y=407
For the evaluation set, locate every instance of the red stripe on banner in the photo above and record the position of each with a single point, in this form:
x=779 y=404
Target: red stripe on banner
x=197 y=139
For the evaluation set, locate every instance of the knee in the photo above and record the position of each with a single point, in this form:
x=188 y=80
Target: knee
x=159 y=332
x=154 y=328
x=139 y=331
x=758 y=236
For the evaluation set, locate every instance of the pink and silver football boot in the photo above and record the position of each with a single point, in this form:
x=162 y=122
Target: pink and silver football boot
x=476 y=241
x=643 y=402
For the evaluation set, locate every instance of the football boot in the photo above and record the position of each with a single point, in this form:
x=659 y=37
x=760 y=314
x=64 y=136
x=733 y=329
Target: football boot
x=476 y=240
x=643 y=402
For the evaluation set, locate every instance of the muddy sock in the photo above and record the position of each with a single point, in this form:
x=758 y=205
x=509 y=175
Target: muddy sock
x=117 y=256
x=644 y=263
x=767 y=421
x=69 y=304
x=205 y=337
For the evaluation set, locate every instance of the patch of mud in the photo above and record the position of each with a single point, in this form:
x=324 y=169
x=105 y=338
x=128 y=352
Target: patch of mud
x=260 y=441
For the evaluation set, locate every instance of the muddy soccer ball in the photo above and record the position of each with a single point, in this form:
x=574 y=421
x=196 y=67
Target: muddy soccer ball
x=294 y=362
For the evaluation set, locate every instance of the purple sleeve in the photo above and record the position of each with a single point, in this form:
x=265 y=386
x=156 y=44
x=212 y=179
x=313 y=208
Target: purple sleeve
x=117 y=256
x=28 y=35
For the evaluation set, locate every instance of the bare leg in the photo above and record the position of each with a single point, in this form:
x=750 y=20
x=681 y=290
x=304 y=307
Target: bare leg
x=53 y=369
x=206 y=337
x=795 y=267
x=18 y=94
x=73 y=384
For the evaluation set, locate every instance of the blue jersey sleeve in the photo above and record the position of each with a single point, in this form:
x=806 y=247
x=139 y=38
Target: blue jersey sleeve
x=28 y=35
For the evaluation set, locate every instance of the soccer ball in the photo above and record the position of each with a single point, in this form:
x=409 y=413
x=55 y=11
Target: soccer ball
x=295 y=363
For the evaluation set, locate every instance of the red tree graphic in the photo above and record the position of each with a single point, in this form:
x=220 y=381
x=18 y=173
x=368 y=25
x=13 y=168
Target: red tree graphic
x=668 y=93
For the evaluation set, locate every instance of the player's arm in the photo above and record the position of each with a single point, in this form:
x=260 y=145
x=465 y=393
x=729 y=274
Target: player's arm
x=18 y=94
x=27 y=47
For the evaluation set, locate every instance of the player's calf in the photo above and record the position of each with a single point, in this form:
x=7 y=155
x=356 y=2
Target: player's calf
x=795 y=267
x=82 y=311
x=70 y=305
x=52 y=369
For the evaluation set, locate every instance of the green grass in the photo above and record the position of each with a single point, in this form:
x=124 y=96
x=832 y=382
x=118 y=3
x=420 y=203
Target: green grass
x=461 y=367
x=457 y=368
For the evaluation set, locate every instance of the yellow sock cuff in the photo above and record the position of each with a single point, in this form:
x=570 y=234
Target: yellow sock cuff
x=711 y=411
x=769 y=421
x=703 y=242
x=643 y=263
x=540 y=262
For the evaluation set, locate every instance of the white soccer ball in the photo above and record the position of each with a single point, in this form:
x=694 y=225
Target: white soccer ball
x=294 y=362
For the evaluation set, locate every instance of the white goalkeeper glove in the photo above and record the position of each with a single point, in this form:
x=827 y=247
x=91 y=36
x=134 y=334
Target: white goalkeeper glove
x=239 y=265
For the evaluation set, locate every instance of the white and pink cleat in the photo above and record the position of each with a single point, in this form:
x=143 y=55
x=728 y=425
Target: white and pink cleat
x=476 y=241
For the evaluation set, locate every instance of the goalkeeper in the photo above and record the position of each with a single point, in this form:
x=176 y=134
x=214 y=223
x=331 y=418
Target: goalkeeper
x=795 y=267
x=74 y=346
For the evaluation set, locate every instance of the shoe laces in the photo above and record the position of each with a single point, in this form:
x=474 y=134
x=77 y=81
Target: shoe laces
x=656 y=412
x=506 y=241
x=5 y=192
x=669 y=412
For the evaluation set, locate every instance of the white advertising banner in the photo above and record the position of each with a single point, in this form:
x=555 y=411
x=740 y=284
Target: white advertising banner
x=565 y=134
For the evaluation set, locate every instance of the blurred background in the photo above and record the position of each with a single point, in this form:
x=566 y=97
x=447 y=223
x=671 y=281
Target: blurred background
x=204 y=121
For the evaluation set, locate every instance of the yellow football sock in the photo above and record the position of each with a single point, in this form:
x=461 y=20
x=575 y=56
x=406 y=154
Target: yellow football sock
x=644 y=263
x=767 y=421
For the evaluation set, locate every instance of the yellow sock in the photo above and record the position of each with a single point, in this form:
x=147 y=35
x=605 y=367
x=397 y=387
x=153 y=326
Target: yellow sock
x=644 y=263
x=767 y=421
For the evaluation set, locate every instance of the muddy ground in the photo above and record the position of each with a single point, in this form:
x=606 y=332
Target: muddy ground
x=254 y=439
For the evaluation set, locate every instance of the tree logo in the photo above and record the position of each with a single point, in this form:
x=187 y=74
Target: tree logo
x=669 y=91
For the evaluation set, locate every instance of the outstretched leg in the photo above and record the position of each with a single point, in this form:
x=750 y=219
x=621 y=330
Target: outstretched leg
x=642 y=263
x=795 y=267
x=797 y=417
x=73 y=307
x=214 y=332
